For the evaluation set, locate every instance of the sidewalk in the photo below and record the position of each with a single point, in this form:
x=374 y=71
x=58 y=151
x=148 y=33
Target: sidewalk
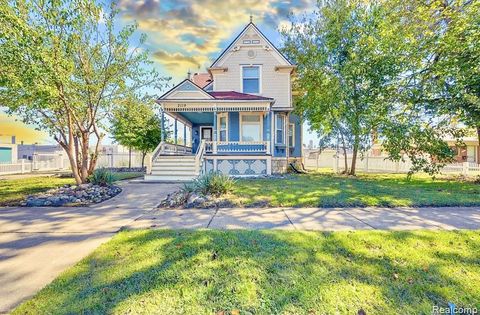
x=322 y=219
x=37 y=244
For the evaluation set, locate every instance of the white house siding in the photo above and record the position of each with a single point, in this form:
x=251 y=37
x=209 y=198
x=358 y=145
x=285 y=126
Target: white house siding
x=274 y=84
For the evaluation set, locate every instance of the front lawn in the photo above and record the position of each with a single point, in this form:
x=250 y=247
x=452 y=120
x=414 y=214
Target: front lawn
x=14 y=190
x=269 y=272
x=330 y=190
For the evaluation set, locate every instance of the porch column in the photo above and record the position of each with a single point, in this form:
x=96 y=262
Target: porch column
x=214 y=136
x=184 y=135
x=176 y=134
x=163 y=125
x=268 y=121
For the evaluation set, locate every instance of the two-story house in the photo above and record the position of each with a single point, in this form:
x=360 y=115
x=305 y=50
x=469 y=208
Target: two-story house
x=239 y=118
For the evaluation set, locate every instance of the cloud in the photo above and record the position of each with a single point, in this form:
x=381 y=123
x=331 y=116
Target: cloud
x=185 y=34
x=175 y=60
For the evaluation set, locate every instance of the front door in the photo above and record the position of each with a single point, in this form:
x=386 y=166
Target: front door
x=207 y=134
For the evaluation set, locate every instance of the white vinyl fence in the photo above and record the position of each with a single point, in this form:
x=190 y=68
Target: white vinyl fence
x=40 y=162
x=378 y=164
x=118 y=160
x=45 y=162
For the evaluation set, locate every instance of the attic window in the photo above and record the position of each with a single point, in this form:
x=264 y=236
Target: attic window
x=247 y=41
x=256 y=41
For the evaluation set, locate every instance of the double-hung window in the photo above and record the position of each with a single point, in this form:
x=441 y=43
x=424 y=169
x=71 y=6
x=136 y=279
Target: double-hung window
x=223 y=127
x=280 y=129
x=251 y=127
x=291 y=135
x=251 y=79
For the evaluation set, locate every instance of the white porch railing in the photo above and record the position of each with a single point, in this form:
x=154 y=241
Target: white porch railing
x=164 y=148
x=199 y=158
x=237 y=147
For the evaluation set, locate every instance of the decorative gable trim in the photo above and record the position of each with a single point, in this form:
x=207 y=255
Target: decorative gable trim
x=251 y=24
x=186 y=86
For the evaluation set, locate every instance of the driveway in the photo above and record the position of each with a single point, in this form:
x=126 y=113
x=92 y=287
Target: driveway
x=37 y=244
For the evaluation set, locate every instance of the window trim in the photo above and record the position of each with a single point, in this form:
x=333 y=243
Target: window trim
x=259 y=77
x=260 y=122
x=219 y=126
x=292 y=126
x=277 y=129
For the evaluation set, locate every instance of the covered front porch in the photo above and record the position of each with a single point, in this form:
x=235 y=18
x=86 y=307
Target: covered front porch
x=225 y=130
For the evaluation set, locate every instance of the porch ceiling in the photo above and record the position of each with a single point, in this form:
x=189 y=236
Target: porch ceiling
x=198 y=118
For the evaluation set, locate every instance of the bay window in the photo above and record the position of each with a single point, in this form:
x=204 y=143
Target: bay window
x=223 y=127
x=291 y=135
x=280 y=129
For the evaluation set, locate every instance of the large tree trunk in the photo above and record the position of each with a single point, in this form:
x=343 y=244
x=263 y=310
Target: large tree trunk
x=354 y=156
x=345 y=157
x=143 y=158
x=129 y=157
x=478 y=148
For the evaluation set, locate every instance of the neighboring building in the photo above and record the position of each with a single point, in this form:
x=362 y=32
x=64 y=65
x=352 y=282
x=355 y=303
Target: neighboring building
x=470 y=152
x=241 y=121
x=26 y=151
x=8 y=149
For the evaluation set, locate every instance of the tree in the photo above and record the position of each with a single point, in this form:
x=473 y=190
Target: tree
x=356 y=62
x=452 y=79
x=345 y=69
x=64 y=67
x=135 y=125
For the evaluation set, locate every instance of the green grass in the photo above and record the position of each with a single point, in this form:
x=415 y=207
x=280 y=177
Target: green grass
x=269 y=272
x=127 y=175
x=14 y=190
x=329 y=190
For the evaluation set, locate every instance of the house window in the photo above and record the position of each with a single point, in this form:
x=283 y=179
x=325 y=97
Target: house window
x=255 y=41
x=247 y=41
x=251 y=127
x=279 y=129
x=291 y=135
x=251 y=79
x=223 y=127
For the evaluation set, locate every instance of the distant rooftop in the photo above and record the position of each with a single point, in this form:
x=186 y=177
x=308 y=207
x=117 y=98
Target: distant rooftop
x=201 y=79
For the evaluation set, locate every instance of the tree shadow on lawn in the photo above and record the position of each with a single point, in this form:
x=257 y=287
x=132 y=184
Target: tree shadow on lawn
x=268 y=272
x=336 y=191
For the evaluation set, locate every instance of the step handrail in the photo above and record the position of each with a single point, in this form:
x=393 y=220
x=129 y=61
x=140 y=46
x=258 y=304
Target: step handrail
x=199 y=157
x=157 y=151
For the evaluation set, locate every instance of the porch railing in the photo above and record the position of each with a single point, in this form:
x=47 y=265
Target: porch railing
x=165 y=148
x=199 y=158
x=237 y=147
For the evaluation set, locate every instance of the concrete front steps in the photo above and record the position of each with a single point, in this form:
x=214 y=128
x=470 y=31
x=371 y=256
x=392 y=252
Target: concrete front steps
x=170 y=168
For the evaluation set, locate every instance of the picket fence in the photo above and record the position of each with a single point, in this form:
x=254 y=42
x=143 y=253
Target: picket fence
x=379 y=164
x=39 y=163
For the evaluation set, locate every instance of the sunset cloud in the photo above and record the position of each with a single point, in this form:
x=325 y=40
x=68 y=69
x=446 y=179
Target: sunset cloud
x=188 y=35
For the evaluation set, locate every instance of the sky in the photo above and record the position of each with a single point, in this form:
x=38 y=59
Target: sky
x=187 y=36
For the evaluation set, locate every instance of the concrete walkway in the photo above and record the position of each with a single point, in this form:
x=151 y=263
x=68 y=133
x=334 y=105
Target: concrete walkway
x=37 y=244
x=322 y=219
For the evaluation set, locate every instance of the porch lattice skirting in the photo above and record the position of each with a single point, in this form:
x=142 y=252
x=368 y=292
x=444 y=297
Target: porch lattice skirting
x=241 y=166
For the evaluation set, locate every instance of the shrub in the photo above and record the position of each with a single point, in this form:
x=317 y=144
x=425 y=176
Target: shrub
x=214 y=183
x=101 y=177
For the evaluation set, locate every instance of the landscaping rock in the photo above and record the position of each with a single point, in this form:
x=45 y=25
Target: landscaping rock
x=68 y=195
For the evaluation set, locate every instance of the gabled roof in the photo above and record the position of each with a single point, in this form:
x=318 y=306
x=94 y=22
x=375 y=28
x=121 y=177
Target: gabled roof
x=189 y=85
x=243 y=32
x=232 y=95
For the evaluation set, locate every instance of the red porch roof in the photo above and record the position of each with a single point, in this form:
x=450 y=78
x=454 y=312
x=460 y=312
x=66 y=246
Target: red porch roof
x=232 y=95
